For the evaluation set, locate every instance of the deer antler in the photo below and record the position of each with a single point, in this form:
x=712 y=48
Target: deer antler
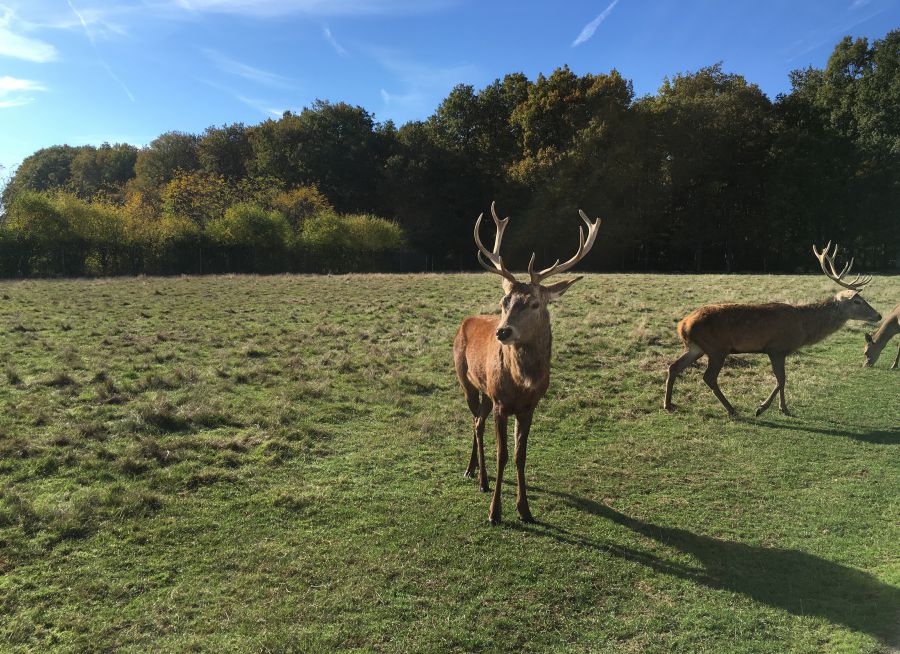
x=838 y=278
x=584 y=246
x=494 y=257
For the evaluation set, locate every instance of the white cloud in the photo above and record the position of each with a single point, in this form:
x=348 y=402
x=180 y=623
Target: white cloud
x=264 y=107
x=15 y=92
x=16 y=45
x=591 y=27
x=423 y=85
x=333 y=41
x=269 y=8
x=859 y=4
x=256 y=75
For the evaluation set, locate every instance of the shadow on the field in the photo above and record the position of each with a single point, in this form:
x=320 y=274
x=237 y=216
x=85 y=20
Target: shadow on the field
x=791 y=580
x=889 y=436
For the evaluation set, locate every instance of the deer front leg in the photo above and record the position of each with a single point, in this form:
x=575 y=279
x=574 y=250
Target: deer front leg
x=778 y=370
x=711 y=377
x=897 y=360
x=523 y=426
x=502 y=456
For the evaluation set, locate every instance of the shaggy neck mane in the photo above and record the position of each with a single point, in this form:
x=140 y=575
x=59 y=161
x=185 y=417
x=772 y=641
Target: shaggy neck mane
x=529 y=363
x=821 y=319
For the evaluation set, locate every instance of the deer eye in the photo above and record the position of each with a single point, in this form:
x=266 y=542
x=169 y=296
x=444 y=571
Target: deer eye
x=535 y=305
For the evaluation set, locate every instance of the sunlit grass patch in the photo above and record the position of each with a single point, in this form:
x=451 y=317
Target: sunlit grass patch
x=275 y=463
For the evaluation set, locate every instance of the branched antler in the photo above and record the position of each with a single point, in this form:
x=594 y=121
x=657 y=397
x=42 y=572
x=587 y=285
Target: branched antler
x=584 y=246
x=825 y=257
x=494 y=257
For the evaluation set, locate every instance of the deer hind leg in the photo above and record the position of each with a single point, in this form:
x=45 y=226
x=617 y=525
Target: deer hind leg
x=480 y=408
x=897 y=360
x=481 y=421
x=692 y=354
x=474 y=401
x=711 y=377
x=523 y=426
x=778 y=369
x=502 y=455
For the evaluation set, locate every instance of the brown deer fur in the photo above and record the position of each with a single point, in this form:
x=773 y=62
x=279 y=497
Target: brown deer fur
x=778 y=330
x=876 y=342
x=503 y=363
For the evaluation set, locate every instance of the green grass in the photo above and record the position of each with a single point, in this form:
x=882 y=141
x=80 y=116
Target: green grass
x=238 y=464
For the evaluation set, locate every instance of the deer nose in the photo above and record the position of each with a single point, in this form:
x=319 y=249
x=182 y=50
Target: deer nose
x=503 y=333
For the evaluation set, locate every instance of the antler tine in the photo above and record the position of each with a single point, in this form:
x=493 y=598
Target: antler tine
x=584 y=246
x=825 y=257
x=494 y=257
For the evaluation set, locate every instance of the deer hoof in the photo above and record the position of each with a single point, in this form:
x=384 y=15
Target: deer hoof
x=527 y=518
x=668 y=407
x=468 y=474
x=494 y=521
x=484 y=489
x=759 y=411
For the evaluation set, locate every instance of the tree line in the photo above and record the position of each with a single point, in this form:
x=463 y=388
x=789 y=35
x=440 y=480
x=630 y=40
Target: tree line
x=708 y=174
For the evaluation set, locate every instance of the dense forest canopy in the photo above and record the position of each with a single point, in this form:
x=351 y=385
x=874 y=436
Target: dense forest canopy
x=707 y=174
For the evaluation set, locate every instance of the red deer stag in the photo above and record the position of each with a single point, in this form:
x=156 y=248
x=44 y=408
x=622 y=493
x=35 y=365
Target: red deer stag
x=875 y=342
x=503 y=362
x=776 y=329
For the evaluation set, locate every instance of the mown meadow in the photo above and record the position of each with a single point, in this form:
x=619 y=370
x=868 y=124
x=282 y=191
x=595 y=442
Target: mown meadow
x=274 y=464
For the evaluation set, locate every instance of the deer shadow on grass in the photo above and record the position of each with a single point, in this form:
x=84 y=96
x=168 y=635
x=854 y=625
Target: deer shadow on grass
x=889 y=436
x=791 y=580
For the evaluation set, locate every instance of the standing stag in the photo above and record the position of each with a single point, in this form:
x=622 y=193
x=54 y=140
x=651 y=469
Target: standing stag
x=776 y=329
x=875 y=342
x=503 y=362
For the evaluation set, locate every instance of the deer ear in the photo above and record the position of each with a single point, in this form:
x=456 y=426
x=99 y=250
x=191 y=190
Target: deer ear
x=868 y=337
x=556 y=290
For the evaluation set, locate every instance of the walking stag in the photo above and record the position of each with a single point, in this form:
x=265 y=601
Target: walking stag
x=503 y=362
x=875 y=342
x=776 y=329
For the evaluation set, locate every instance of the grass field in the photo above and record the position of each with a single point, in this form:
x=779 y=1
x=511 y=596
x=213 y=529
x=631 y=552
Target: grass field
x=246 y=464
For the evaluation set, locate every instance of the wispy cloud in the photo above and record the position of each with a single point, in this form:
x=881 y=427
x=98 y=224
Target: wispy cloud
x=15 y=92
x=859 y=4
x=245 y=71
x=262 y=106
x=826 y=36
x=423 y=85
x=591 y=27
x=270 y=8
x=17 y=45
x=333 y=42
x=90 y=35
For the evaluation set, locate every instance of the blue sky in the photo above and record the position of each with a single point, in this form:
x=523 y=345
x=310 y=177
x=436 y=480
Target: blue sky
x=89 y=71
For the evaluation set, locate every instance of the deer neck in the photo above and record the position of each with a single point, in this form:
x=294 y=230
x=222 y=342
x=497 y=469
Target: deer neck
x=528 y=363
x=888 y=329
x=822 y=319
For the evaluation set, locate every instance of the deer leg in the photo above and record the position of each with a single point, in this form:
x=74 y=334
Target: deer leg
x=485 y=409
x=693 y=353
x=502 y=456
x=523 y=426
x=897 y=360
x=711 y=377
x=778 y=369
x=472 y=398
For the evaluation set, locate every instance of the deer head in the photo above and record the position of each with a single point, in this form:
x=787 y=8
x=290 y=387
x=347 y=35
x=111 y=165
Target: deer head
x=852 y=305
x=523 y=309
